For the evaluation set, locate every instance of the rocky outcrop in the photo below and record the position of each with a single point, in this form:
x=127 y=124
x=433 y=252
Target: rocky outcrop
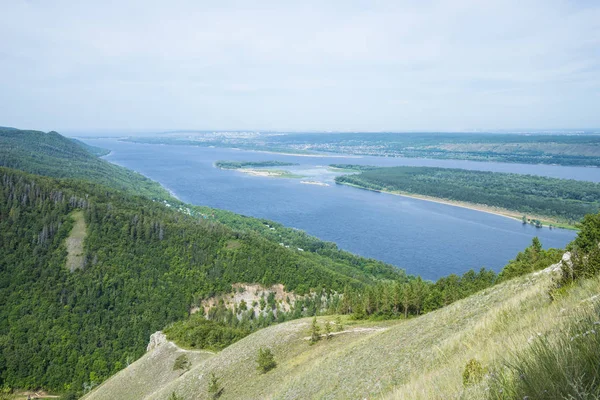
x=565 y=261
x=156 y=339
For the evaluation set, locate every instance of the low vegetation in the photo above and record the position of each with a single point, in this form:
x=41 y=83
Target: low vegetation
x=353 y=167
x=75 y=254
x=251 y=164
x=214 y=388
x=417 y=358
x=199 y=333
x=564 y=364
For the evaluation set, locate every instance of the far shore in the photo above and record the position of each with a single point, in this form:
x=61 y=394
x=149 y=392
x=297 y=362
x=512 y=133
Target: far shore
x=303 y=154
x=515 y=215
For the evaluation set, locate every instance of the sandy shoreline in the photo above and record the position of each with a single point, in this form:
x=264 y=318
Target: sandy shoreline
x=259 y=172
x=514 y=215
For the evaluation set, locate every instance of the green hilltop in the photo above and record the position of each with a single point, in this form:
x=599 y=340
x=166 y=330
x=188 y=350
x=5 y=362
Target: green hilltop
x=51 y=154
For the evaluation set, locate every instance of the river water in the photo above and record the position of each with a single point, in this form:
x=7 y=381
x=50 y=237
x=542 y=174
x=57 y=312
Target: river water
x=422 y=237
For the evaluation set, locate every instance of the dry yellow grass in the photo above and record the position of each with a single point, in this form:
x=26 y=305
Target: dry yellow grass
x=420 y=358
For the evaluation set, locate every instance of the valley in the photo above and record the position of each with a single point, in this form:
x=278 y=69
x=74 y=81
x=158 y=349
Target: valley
x=397 y=228
x=124 y=267
x=390 y=200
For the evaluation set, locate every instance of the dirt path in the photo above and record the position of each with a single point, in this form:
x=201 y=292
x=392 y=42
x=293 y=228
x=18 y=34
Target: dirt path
x=355 y=330
x=34 y=395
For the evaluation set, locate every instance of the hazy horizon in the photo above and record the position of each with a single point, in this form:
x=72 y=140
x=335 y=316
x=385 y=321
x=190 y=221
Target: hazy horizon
x=344 y=66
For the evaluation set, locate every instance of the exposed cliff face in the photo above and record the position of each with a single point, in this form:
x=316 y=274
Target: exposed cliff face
x=156 y=339
x=251 y=294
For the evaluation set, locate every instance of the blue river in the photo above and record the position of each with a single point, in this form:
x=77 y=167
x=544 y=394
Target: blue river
x=422 y=237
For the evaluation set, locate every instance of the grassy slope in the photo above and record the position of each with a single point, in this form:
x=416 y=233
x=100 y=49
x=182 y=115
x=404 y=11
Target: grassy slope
x=134 y=381
x=419 y=358
x=51 y=154
x=75 y=251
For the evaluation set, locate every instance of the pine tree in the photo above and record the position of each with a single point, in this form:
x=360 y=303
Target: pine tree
x=265 y=360
x=315 y=332
x=328 y=334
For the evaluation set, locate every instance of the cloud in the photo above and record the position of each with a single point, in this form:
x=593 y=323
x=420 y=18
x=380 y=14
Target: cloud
x=355 y=65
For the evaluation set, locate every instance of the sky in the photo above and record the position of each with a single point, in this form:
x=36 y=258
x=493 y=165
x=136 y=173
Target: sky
x=300 y=65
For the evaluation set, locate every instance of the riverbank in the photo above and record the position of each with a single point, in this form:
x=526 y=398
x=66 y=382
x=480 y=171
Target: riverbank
x=515 y=215
x=267 y=173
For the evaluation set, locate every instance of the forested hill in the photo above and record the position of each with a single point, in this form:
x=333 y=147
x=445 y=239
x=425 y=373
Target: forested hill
x=144 y=266
x=51 y=154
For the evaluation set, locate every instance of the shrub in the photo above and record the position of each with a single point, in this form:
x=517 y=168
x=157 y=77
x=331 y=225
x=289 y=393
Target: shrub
x=473 y=373
x=182 y=363
x=214 y=389
x=265 y=360
x=174 y=396
x=338 y=324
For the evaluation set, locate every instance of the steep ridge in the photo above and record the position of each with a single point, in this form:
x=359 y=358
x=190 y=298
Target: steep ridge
x=150 y=373
x=422 y=357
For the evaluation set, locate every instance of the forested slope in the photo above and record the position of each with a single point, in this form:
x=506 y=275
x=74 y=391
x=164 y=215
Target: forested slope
x=145 y=265
x=51 y=154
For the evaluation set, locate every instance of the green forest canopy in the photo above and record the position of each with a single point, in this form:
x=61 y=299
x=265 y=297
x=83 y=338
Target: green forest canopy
x=51 y=154
x=145 y=265
x=564 y=199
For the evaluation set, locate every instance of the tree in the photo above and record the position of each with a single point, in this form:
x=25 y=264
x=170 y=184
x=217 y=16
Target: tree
x=338 y=324
x=536 y=245
x=265 y=360
x=315 y=331
x=419 y=289
x=406 y=297
x=214 y=389
x=328 y=334
x=589 y=234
